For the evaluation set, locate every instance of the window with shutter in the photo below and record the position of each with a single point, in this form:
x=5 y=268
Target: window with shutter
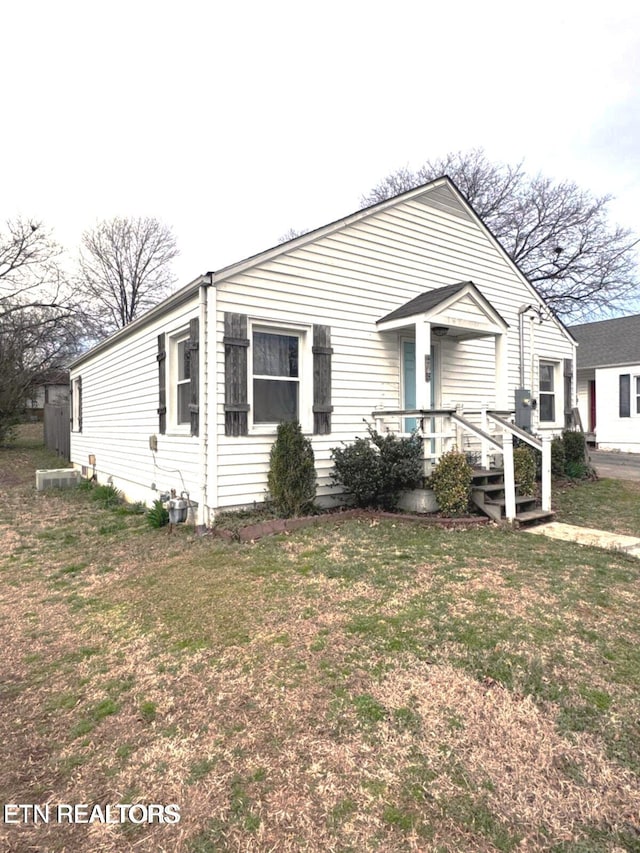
x=276 y=373
x=76 y=404
x=236 y=344
x=194 y=372
x=625 y=395
x=162 y=384
x=568 y=392
x=322 y=353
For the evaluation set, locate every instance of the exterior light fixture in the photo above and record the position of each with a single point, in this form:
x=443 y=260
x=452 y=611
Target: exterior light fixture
x=439 y=331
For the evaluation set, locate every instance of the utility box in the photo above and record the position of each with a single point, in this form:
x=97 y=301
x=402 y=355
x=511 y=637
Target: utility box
x=56 y=478
x=177 y=510
x=524 y=405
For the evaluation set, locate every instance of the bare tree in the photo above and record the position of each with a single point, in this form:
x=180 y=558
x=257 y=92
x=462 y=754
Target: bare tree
x=40 y=324
x=125 y=268
x=291 y=234
x=559 y=235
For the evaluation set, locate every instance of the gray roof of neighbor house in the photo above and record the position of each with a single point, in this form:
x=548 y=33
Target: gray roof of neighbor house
x=608 y=342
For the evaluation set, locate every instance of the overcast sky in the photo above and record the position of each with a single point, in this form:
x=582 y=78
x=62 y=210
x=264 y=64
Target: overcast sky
x=233 y=122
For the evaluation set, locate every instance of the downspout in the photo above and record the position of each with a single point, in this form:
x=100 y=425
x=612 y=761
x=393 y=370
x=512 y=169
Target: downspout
x=203 y=510
x=521 y=312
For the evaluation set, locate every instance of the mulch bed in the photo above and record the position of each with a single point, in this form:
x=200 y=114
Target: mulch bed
x=286 y=525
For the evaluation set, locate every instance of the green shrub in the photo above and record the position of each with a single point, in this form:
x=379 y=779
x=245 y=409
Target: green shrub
x=374 y=470
x=358 y=470
x=158 y=515
x=575 y=449
x=576 y=470
x=524 y=467
x=292 y=473
x=107 y=495
x=558 y=459
x=451 y=482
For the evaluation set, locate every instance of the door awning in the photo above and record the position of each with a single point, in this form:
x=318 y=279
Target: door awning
x=460 y=308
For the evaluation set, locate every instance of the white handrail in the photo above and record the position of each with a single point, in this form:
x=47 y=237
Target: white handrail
x=543 y=444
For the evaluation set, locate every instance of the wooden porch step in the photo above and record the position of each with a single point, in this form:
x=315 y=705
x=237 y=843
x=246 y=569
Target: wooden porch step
x=487 y=488
x=520 y=500
x=487 y=493
x=534 y=516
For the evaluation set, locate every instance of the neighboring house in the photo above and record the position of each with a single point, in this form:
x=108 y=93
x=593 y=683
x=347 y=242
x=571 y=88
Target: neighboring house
x=408 y=305
x=609 y=382
x=51 y=386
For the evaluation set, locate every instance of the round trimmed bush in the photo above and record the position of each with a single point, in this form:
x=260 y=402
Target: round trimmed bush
x=451 y=482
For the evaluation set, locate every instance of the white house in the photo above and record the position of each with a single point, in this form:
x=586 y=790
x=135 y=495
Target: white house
x=409 y=306
x=609 y=381
x=51 y=386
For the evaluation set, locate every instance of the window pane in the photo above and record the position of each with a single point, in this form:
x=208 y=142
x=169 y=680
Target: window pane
x=546 y=377
x=184 y=396
x=274 y=401
x=547 y=407
x=184 y=367
x=275 y=355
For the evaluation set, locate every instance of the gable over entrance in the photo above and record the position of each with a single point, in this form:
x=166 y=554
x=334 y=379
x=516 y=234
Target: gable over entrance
x=460 y=308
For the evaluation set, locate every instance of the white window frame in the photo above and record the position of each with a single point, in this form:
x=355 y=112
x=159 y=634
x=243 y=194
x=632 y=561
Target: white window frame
x=304 y=378
x=76 y=396
x=557 y=393
x=635 y=395
x=175 y=339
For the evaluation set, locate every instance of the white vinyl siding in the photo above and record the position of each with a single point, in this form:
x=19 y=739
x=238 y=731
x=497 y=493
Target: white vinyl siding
x=120 y=412
x=349 y=279
x=614 y=432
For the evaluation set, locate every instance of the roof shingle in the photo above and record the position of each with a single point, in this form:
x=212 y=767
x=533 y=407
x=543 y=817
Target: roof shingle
x=608 y=342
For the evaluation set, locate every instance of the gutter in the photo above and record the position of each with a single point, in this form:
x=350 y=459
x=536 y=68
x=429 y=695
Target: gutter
x=203 y=510
x=183 y=295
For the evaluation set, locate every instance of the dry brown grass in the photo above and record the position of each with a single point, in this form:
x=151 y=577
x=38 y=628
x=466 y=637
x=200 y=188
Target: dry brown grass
x=321 y=692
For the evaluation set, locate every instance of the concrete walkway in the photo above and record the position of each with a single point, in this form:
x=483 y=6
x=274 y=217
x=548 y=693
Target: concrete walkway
x=588 y=536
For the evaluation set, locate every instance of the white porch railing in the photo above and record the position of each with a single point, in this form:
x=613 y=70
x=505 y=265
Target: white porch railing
x=444 y=429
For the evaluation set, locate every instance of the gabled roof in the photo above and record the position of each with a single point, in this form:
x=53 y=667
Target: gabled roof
x=425 y=302
x=434 y=305
x=214 y=277
x=606 y=343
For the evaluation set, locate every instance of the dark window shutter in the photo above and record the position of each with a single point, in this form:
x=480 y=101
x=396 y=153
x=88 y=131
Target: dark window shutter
x=568 y=392
x=236 y=344
x=322 y=407
x=162 y=385
x=194 y=372
x=625 y=395
x=79 y=387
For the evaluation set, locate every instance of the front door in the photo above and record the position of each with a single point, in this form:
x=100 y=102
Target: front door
x=409 y=381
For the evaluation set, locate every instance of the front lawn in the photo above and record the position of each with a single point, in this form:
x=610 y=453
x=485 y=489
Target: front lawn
x=362 y=686
x=605 y=504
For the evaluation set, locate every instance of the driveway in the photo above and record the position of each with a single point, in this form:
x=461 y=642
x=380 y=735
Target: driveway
x=620 y=466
